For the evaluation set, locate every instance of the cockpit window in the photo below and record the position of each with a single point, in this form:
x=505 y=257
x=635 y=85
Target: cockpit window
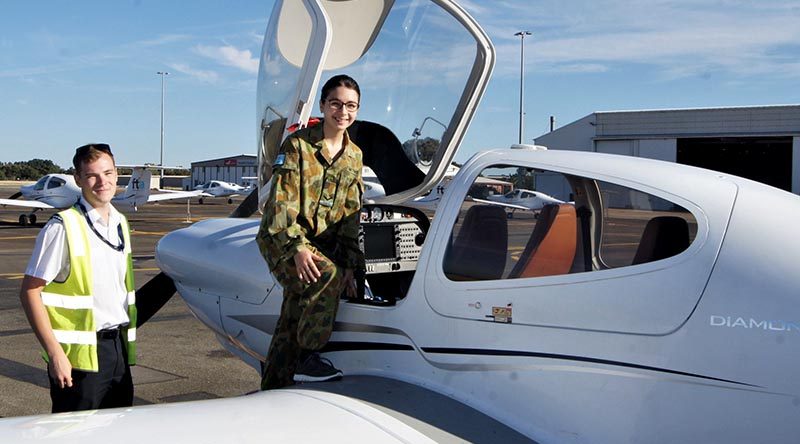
x=569 y=225
x=40 y=184
x=55 y=182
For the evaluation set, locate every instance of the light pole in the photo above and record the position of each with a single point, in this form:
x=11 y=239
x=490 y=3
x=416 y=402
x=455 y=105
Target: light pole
x=161 y=162
x=521 y=36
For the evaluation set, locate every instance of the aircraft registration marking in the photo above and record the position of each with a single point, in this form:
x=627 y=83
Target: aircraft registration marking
x=502 y=314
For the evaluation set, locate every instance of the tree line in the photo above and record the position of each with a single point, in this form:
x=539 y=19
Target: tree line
x=29 y=169
x=36 y=168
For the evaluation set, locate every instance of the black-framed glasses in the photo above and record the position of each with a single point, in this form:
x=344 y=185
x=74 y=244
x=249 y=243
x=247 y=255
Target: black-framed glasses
x=336 y=105
x=104 y=147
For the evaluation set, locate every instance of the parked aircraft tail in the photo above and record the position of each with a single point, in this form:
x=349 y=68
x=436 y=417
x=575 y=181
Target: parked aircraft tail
x=138 y=189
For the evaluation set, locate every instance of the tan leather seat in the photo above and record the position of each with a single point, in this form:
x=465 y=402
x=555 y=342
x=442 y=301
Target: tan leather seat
x=551 y=248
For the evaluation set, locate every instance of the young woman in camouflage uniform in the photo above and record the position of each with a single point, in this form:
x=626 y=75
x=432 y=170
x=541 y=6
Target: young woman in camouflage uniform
x=309 y=236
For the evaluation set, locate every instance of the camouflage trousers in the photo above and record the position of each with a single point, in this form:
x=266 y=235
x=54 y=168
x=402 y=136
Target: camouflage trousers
x=306 y=320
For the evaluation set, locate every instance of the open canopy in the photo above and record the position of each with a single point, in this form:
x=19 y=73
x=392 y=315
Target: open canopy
x=422 y=66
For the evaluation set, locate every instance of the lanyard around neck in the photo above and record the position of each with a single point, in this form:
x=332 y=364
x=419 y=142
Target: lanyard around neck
x=119 y=247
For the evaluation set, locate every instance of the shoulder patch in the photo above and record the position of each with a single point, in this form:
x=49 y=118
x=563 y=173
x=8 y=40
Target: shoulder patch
x=279 y=160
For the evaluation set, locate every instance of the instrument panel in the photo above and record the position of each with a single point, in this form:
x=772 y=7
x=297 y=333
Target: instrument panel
x=391 y=238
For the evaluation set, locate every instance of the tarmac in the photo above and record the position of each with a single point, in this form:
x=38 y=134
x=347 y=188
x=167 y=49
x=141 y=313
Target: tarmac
x=179 y=359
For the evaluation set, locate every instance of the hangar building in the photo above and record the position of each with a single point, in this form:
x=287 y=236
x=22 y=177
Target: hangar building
x=757 y=142
x=228 y=169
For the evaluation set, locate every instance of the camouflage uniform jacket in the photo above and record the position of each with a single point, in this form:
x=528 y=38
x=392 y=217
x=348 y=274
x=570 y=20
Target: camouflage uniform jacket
x=314 y=201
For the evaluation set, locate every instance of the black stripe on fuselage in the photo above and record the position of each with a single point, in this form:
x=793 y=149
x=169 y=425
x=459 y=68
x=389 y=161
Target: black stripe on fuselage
x=353 y=346
x=362 y=346
x=486 y=352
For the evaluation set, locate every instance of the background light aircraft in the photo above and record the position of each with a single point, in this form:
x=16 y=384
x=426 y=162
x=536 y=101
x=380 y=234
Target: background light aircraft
x=57 y=191
x=660 y=306
x=521 y=199
x=219 y=188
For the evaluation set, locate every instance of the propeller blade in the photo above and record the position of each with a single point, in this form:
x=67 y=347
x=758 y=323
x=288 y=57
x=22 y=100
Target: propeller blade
x=152 y=296
x=15 y=195
x=248 y=206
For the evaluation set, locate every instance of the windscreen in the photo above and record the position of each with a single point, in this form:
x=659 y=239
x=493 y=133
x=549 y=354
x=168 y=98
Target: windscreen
x=413 y=76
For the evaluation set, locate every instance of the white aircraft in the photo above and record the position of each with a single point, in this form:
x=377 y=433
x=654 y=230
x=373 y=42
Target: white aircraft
x=660 y=306
x=57 y=191
x=521 y=199
x=372 y=186
x=219 y=188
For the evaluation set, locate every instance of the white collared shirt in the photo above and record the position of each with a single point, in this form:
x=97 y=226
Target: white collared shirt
x=50 y=260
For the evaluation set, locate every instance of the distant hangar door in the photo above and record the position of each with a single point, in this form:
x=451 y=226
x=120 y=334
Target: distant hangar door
x=764 y=159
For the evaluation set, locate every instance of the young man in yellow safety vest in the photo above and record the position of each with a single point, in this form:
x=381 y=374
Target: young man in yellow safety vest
x=78 y=293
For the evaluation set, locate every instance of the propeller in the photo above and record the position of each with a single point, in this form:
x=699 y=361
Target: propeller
x=15 y=195
x=248 y=206
x=152 y=296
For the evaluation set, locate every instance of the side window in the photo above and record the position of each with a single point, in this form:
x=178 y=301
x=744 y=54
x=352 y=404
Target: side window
x=639 y=227
x=55 y=182
x=525 y=223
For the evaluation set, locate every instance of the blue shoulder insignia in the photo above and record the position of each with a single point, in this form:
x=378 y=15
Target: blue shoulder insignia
x=279 y=160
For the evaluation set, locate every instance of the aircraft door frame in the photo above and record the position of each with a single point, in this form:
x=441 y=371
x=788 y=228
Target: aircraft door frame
x=308 y=80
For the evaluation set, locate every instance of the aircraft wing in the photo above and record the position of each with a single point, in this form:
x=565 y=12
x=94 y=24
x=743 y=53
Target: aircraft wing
x=168 y=195
x=355 y=409
x=501 y=204
x=25 y=203
x=274 y=416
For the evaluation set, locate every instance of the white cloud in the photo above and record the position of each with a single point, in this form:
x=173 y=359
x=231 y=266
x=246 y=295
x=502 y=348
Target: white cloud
x=162 y=40
x=681 y=37
x=199 y=74
x=230 y=56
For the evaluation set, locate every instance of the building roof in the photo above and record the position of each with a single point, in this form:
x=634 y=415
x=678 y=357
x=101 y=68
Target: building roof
x=251 y=161
x=772 y=120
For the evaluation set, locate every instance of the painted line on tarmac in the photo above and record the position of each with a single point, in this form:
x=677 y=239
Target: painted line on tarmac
x=17 y=238
x=12 y=276
x=149 y=233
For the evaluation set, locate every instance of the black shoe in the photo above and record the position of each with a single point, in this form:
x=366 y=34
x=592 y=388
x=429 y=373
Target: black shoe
x=316 y=369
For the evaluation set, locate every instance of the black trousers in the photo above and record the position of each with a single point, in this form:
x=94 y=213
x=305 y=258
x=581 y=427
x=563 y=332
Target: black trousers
x=110 y=387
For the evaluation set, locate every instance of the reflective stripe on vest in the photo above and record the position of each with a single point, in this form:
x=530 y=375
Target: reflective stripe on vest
x=69 y=304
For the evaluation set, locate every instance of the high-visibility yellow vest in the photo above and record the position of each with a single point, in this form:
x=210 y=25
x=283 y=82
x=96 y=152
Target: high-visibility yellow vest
x=69 y=303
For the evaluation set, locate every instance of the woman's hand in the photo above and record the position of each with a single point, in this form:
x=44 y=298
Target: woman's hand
x=306 y=263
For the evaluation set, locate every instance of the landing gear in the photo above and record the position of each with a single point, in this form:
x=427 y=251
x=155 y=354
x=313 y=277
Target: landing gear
x=230 y=201
x=27 y=219
x=200 y=201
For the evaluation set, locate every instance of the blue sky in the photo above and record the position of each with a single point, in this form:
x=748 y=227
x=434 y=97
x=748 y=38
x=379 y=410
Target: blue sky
x=82 y=71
